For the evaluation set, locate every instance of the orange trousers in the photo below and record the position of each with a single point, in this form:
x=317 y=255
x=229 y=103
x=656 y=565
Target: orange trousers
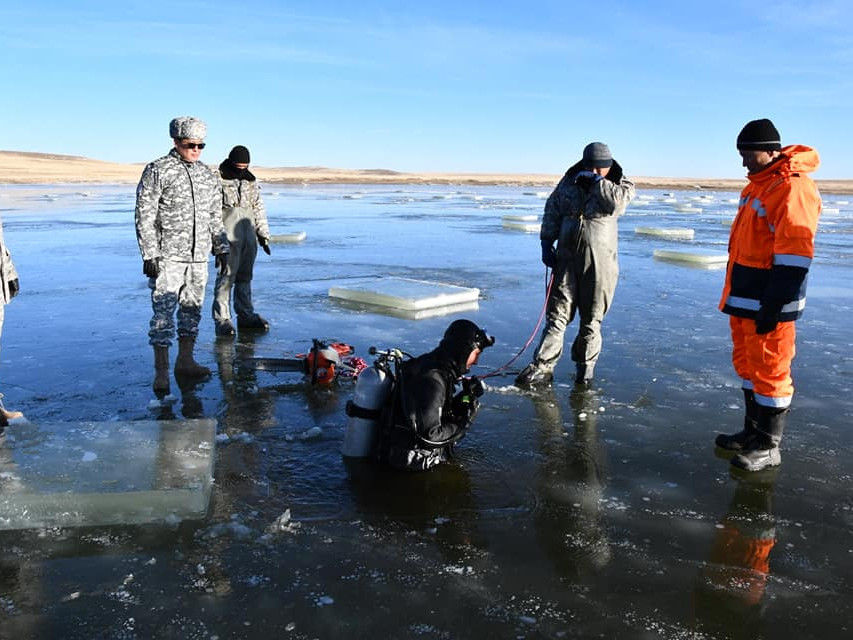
x=764 y=361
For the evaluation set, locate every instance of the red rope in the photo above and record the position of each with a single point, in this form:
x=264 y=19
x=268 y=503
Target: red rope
x=549 y=282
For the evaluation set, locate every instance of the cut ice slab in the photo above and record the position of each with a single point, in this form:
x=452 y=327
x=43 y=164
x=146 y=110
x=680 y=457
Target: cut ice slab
x=692 y=258
x=409 y=314
x=288 y=238
x=403 y=293
x=105 y=473
x=528 y=223
x=674 y=233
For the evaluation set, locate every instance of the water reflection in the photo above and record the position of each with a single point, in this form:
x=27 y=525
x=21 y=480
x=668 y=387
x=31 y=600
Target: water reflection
x=729 y=595
x=438 y=502
x=570 y=483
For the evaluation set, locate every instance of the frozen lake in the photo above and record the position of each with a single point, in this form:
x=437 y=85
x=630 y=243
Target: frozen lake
x=598 y=514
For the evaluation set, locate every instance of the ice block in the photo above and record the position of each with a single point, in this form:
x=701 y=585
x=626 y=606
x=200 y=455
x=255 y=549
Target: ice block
x=692 y=257
x=288 y=238
x=68 y=474
x=674 y=233
x=403 y=293
x=528 y=224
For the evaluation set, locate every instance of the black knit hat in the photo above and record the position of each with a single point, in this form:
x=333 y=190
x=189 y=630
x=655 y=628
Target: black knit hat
x=239 y=154
x=759 y=135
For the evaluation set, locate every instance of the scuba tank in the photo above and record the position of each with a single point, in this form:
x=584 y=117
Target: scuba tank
x=372 y=390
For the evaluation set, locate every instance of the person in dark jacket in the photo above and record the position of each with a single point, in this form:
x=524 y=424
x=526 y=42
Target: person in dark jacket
x=245 y=220
x=428 y=416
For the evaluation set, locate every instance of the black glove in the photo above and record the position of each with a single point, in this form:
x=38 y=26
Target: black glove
x=150 y=268
x=585 y=180
x=465 y=407
x=615 y=174
x=549 y=254
x=766 y=320
x=265 y=245
x=221 y=262
x=14 y=288
x=473 y=387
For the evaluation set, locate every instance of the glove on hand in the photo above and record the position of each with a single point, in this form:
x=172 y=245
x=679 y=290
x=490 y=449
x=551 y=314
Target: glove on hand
x=221 y=262
x=766 y=320
x=549 y=254
x=465 y=407
x=585 y=179
x=14 y=288
x=473 y=387
x=265 y=245
x=150 y=268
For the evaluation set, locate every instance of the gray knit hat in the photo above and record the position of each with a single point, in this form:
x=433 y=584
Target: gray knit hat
x=187 y=127
x=597 y=155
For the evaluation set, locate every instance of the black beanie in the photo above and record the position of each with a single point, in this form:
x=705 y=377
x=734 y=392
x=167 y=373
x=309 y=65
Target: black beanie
x=239 y=154
x=759 y=135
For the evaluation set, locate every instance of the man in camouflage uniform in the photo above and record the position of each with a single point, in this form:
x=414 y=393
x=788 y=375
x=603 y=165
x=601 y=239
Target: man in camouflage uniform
x=178 y=219
x=8 y=289
x=580 y=215
x=245 y=222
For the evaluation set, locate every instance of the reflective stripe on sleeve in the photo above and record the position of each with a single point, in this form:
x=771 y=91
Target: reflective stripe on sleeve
x=792 y=260
x=743 y=303
x=796 y=305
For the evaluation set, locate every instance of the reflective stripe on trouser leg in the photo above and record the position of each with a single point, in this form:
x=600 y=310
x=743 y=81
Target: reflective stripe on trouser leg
x=179 y=285
x=765 y=360
x=559 y=315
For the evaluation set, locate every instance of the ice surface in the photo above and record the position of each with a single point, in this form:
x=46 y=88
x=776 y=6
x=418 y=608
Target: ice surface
x=559 y=509
x=97 y=473
x=404 y=293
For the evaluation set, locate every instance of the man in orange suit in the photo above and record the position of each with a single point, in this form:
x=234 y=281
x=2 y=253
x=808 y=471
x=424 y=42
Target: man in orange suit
x=771 y=247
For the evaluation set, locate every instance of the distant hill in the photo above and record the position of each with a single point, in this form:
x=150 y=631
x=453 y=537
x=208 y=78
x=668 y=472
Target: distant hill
x=25 y=167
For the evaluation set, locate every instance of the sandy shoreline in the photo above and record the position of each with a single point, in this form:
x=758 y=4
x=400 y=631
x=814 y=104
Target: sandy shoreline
x=18 y=167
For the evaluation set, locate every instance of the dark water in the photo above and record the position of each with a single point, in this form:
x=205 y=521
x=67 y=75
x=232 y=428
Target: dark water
x=597 y=514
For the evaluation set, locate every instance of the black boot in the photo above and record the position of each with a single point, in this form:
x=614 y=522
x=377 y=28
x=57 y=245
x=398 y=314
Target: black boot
x=583 y=374
x=741 y=440
x=763 y=451
x=253 y=323
x=532 y=377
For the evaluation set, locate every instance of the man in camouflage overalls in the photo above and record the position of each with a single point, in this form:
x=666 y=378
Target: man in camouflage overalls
x=178 y=218
x=581 y=217
x=245 y=221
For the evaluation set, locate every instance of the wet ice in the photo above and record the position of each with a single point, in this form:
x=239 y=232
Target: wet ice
x=557 y=520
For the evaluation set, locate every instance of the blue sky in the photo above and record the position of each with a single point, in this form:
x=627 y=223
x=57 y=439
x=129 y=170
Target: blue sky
x=430 y=86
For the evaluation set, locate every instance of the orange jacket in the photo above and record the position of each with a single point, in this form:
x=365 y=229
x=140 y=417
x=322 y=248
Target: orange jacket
x=771 y=245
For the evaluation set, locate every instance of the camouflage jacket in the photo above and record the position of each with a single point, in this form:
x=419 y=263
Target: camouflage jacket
x=241 y=199
x=179 y=211
x=7 y=270
x=601 y=205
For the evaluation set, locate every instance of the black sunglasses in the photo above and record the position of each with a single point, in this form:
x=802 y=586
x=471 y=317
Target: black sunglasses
x=192 y=145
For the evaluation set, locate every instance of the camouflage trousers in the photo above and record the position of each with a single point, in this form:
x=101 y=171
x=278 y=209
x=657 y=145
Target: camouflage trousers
x=180 y=285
